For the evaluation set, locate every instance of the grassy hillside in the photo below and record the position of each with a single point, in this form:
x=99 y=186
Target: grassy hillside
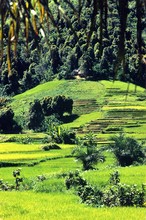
x=104 y=108
x=74 y=89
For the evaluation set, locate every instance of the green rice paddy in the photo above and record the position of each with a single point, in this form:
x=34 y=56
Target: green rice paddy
x=105 y=108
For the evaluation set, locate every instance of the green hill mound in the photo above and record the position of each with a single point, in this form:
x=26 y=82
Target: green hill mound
x=77 y=90
x=103 y=107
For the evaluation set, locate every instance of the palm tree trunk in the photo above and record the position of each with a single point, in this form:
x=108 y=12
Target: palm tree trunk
x=123 y=13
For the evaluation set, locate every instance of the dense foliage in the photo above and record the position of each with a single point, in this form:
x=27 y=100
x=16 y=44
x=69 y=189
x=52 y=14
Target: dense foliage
x=7 y=122
x=62 y=135
x=127 y=150
x=86 y=151
x=44 y=114
x=57 y=105
x=114 y=194
x=36 y=116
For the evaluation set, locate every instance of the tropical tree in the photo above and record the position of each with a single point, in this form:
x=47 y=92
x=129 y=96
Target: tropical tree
x=86 y=151
x=127 y=150
x=35 y=116
x=7 y=122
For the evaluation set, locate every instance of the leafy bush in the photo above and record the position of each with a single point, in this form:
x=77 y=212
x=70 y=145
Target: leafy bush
x=114 y=194
x=67 y=136
x=74 y=180
x=7 y=122
x=86 y=192
x=36 y=116
x=86 y=151
x=119 y=194
x=18 y=182
x=46 y=106
x=90 y=195
x=50 y=146
x=62 y=135
x=56 y=105
x=127 y=150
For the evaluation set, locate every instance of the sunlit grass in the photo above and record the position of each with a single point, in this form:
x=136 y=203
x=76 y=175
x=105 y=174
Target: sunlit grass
x=83 y=119
x=17 y=147
x=6 y=148
x=30 y=136
x=27 y=156
x=128 y=175
x=49 y=168
x=34 y=155
x=130 y=108
x=123 y=86
x=63 y=206
x=139 y=129
x=73 y=88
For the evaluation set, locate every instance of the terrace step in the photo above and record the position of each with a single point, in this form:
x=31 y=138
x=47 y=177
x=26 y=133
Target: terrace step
x=110 y=124
x=85 y=106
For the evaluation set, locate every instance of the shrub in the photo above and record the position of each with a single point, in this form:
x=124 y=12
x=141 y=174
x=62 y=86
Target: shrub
x=67 y=136
x=127 y=150
x=62 y=135
x=86 y=151
x=86 y=192
x=57 y=105
x=114 y=194
x=74 y=180
x=90 y=195
x=119 y=194
x=36 y=116
x=7 y=122
x=18 y=182
x=50 y=146
x=46 y=106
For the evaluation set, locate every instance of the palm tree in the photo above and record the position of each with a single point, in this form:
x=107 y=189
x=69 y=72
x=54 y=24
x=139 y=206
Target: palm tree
x=86 y=151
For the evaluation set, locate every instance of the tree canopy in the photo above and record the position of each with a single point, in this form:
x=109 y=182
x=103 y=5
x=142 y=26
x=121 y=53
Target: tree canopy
x=89 y=22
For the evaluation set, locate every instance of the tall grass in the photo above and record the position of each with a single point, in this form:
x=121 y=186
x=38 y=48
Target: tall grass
x=62 y=206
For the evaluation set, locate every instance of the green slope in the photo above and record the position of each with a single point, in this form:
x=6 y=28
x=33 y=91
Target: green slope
x=74 y=89
x=104 y=107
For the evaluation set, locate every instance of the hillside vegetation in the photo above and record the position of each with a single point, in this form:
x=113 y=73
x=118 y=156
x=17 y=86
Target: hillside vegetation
x=104 y=108
x=72 y=109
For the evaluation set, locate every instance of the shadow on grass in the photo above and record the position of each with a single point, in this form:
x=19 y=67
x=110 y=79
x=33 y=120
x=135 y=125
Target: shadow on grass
x=69 y=118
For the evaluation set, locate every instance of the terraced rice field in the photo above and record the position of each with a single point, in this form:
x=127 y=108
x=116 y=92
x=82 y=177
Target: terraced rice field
x=110 y=108
x=121 y=111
